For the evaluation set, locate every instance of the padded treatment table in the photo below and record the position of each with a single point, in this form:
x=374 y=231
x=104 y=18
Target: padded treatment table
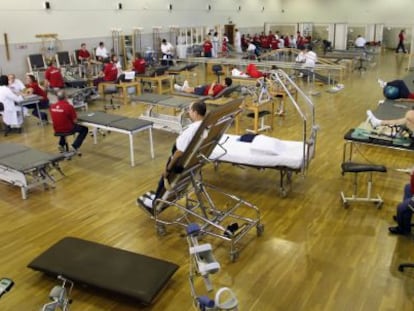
x=120 y=124
x=27 y=168
x=173 y=123
x=133 y=275
x=392 y=109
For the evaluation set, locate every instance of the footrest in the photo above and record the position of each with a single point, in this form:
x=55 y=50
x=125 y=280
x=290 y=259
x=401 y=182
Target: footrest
x=351 y=167
x=261 y=114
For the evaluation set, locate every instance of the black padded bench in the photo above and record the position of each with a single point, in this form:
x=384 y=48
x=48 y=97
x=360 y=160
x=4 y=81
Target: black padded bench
x=357 y=168
x=129 y=274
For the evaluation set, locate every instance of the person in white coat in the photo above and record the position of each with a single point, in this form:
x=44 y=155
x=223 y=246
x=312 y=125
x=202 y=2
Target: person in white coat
x=12 y=114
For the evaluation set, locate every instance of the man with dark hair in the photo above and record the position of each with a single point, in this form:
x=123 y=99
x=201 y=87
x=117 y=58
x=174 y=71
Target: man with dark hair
x=53 y=76
x=197 y=111
x=64 y=121
x=101 y=52
x=204 y=90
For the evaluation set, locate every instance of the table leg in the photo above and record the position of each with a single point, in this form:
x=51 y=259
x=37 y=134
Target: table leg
x=131 y=148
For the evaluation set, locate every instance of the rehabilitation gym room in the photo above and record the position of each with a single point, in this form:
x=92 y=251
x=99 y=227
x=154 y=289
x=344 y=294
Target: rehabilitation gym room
x=206 y=155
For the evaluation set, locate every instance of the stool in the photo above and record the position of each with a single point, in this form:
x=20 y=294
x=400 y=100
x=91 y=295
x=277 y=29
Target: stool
x=218 y=71
x=63 y=136
x=111 y=91
x=261 y=115
x=356 y=168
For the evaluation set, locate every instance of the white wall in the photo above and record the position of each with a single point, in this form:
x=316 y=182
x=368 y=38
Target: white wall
x=22 y=19
x=92 y=20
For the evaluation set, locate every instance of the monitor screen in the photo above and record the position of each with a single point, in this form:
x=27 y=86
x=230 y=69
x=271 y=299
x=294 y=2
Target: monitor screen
x=63 y=58
x=37 y=61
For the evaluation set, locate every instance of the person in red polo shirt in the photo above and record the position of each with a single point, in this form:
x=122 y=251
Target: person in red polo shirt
x=64 y=121
x=83 y=54
x=138 y=64
x=109 y=73
x=33 y=88
x=204 y=90
x=53 y=76
x=207 y=47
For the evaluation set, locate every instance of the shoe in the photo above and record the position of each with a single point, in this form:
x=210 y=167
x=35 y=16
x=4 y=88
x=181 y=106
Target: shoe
x=61 y=149
x=382 y=83
x=394 y=218
x=397 y=230
x=340 y=86
x=185 y=84
x=178 y=88
x=145 y=202
x=76 y=151
x=373 y=120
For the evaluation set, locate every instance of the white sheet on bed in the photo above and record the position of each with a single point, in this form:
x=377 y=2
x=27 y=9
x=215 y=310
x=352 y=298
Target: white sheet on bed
x=289 y=153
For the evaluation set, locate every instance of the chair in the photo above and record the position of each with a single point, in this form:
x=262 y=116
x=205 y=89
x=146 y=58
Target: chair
x=261 y=116
x=218 y=71
x=63 y=136
x=356 y=168
x=109 y=88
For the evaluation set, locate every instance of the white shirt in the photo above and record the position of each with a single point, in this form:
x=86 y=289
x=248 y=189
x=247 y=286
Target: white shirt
x=237 y=73
x=167 y=48
x=17 y=86
x=360 y=42
x=300 y=58
x=11 y=114
x=310 y=59
x=184 y=139
x=251 y=47
x=101 y=52
x=281 y=43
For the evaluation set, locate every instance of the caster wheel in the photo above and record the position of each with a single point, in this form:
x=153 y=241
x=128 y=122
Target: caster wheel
x=161 y=231
x=260 y=229
x=234 y=255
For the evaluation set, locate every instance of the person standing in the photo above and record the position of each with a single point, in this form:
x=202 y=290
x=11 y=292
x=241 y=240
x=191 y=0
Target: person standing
x=215 y=42
x=237 y=41
x=401 y=38
x=207 y=47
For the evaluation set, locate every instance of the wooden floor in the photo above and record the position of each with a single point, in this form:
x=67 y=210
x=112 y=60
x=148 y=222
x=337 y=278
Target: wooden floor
x=314 y=254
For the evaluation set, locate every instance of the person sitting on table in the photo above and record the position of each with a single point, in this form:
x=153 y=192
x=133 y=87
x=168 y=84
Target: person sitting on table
x=204 y=90
x=15 y=84
x=83 y=54
x=109 y=73
x=405 y=210
x=101 y=52
x=33 y=88
x=197 y=111
x=12 y=115
x=138 y=64
x=53 y=77
x=395 y=89
x=64 y=119
x=407 y=121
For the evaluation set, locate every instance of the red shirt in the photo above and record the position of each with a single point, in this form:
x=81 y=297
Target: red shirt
x=207 y=46
x=110 y=72
x=139 y=65
x=63 y=116
x=83 y=54
x=37 y=90
x=53 y=75
x=216 y=89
